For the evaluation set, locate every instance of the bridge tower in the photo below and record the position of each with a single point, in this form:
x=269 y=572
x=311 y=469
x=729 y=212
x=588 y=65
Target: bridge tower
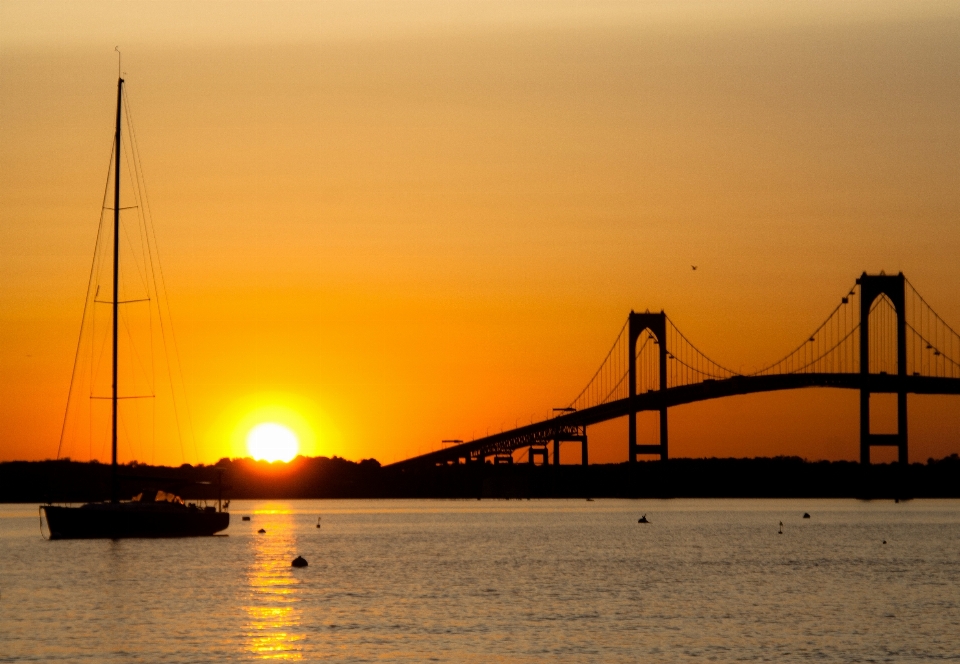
x=657 y=325
x=873 y=286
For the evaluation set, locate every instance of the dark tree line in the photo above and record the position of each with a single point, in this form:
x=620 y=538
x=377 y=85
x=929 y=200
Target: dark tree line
x=322 y=477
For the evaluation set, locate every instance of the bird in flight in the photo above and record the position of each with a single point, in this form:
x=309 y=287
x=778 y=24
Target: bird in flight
x=694 y=267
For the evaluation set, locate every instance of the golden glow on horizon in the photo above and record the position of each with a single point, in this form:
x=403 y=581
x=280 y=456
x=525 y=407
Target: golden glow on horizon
x=272 y=442
x=315 y=434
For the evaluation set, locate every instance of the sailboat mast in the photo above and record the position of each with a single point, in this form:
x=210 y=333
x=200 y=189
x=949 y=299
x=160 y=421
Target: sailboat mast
x=115 y=483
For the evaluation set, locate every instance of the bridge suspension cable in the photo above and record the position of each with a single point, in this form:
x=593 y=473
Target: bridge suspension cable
x=687 y=364
x=605 y=384
x=933 y=349
x=833 y=347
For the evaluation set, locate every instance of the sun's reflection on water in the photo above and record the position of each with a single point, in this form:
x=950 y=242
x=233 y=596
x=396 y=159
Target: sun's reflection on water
x=273 y=618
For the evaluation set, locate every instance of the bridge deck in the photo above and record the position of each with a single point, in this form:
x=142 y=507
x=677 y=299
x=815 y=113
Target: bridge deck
x=567 y=425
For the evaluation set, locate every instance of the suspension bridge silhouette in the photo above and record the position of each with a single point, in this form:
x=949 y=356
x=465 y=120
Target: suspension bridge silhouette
x=882 y=337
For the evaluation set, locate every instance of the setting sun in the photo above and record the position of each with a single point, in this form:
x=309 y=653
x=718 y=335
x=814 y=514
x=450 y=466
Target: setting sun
x=272 y=442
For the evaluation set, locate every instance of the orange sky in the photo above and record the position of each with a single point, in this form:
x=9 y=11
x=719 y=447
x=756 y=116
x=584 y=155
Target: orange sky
x=397 y=222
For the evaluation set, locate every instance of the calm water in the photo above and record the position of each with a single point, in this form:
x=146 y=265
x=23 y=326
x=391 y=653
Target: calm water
x=525 y=581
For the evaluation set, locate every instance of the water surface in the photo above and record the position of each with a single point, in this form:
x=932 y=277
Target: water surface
x=511 y=581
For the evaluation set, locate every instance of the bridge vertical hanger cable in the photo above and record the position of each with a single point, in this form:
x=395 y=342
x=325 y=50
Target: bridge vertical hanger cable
x=605 y=380
x=823 y=348
x=937 y=344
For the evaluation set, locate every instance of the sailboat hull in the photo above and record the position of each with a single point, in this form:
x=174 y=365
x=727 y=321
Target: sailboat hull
x=120 y=520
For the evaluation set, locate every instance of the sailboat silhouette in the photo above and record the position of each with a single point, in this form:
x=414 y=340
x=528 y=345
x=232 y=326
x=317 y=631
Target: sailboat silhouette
x=150 y=513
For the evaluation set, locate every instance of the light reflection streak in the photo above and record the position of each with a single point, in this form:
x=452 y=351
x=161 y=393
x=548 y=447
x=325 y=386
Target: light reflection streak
x=273 y=618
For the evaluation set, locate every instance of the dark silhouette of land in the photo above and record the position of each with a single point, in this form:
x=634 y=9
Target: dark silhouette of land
x=322 y=477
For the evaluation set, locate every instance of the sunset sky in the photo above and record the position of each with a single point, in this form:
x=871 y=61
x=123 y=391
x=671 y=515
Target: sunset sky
x=390 y=223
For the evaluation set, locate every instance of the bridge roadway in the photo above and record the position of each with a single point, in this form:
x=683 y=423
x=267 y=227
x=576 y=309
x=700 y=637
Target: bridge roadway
x=571 y=426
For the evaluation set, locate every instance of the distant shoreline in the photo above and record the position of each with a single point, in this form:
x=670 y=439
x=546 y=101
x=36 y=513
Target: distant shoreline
x=321 y=477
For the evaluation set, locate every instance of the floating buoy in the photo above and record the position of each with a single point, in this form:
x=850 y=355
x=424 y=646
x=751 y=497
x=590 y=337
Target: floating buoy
x=780 y=532
x=318 y=521
x=261 y=531
x=245 y=518
x=299 y=561
x=806 y=515
x=884 y=541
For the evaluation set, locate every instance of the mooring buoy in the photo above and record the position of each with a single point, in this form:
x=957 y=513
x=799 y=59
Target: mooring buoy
x=299 y=561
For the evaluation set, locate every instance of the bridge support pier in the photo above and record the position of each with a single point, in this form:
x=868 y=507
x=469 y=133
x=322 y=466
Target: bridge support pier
x=872 y=287
x=662 y=449
x=657 y=325
x=535 y=452
x=567 y=438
